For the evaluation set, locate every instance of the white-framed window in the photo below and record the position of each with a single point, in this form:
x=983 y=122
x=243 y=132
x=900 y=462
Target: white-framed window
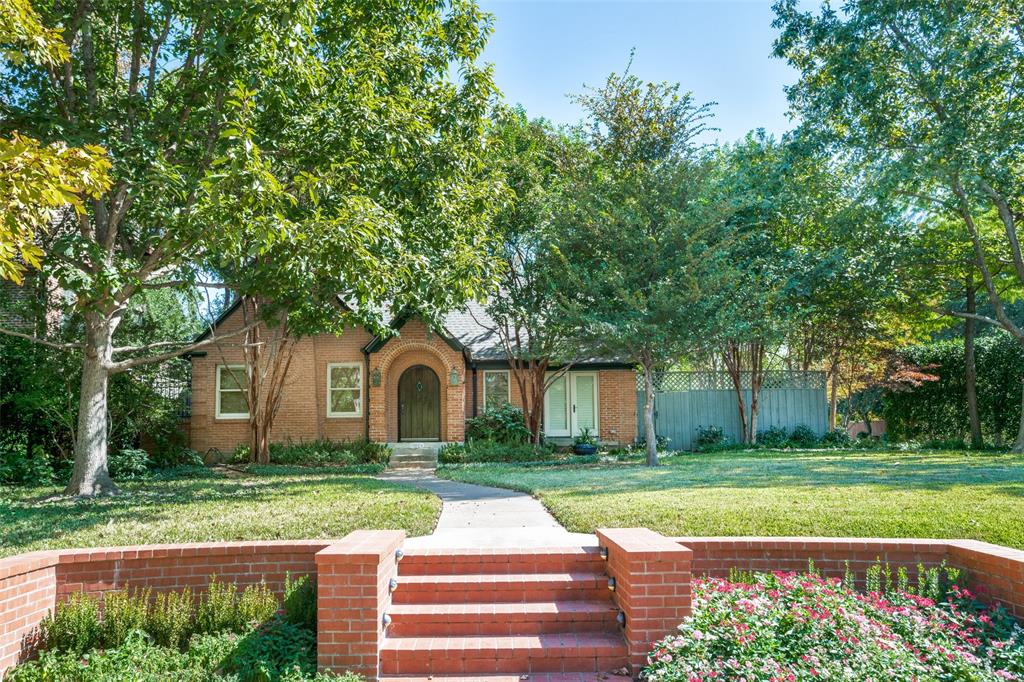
x=345 y=389
x=497 y=388
x=232 y=385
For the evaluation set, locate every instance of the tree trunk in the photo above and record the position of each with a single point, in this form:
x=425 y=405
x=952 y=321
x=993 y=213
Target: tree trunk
x=970 y=370
x=756 y=380
x=1018 y=446
x=650 y=436
x=732 y=356
x=90 y=475
x=833 y=394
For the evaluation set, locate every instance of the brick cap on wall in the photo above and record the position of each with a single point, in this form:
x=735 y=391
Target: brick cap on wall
x=642 y=542
x=363 y=546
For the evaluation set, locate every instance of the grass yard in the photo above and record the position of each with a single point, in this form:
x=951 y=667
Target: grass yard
x=834 y=493
x=277 y=503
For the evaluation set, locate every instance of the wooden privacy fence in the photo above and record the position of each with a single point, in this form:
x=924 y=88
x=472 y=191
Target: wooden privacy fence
x=687 y=401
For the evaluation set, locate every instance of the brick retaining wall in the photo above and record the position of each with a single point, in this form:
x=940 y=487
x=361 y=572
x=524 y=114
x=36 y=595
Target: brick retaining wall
x=653 y=576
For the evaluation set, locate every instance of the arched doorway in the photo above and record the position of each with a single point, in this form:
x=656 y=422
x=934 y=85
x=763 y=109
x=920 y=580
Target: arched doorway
x=419 y=404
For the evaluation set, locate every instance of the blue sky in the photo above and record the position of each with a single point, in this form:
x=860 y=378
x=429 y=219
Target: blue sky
x=719 y=49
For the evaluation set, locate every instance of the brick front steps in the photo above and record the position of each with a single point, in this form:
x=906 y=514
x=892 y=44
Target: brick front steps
x=456 y=613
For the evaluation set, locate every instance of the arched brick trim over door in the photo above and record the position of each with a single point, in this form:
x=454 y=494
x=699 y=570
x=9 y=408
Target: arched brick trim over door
x=419 y=404
x=416 y=347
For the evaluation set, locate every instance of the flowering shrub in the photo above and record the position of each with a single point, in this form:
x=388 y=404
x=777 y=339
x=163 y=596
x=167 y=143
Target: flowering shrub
x=798 y=627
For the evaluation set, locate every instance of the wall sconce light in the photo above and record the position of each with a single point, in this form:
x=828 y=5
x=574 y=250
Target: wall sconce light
x=392 y=585
x=386 y=620
x=611 y=584
x=620 y=618
x=453 y=377
x=603 y=551
x=399 y=554
x=375 y=377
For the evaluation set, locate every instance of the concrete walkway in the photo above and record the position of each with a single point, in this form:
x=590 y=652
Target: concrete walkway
x=477 y=516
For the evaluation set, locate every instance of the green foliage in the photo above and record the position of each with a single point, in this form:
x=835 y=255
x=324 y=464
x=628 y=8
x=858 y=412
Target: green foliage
x=836 y=438
x=256 y=656
x=16 y=468
x=494 y=451
x=256 y=605
x=321 y=453
x=123 y=614
x=300 y=601
x=803 y=436
x=709 y=436
x=129 y=464
x=74 y=627
x=171 y=619
x=773 y=437
x=642 y=226
x=273 y=649
x=937 y=410
x=586 y=437
x=504 y=424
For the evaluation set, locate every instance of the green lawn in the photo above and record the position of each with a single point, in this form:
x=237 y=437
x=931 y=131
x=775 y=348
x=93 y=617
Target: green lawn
x=279 y=503
x=836 y=493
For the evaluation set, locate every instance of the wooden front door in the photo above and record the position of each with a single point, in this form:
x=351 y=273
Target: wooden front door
x=419 y=404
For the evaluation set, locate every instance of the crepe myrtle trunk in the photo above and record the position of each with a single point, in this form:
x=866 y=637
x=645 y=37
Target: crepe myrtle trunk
x=970 y=368
x=650 y=437
x=90 y=475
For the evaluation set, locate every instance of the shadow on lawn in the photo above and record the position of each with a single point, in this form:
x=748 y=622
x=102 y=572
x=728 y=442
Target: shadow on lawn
x=26 y=519
x=892 y=471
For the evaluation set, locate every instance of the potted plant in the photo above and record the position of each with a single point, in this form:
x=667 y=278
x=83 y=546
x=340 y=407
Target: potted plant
x=585 y=443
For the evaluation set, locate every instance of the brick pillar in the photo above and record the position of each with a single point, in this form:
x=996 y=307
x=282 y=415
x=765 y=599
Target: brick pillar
x=652 y=585
x=352 y=598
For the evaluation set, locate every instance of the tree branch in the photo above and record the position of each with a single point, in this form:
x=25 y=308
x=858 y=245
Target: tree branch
x=116 y=367
x=44 y=342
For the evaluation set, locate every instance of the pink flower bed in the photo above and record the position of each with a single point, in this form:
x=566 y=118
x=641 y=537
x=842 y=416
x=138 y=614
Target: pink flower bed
x=789 y=627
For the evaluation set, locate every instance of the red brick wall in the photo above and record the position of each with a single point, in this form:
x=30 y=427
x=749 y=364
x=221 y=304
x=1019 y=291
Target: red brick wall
x=352 y=597
x=716 y=556
x=617 y=404
x=31 y=584
x=652 y=585
x=303 y=413
x=28 y=591
x=995 y=573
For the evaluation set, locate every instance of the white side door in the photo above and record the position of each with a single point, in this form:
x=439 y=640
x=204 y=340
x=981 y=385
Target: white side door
x=584 y=402
x=571 y=404
x=557 y=407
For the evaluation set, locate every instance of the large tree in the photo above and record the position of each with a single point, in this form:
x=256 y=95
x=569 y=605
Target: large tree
x=326 y=140
x=524 y=313
x=641 y=229
x=925 y=96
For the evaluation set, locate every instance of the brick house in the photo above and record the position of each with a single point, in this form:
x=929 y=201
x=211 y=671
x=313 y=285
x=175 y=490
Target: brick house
x=419 y=385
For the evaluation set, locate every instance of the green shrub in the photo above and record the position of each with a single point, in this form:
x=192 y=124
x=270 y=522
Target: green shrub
x=452 y=453
x=218 y=610
x=504 y=424
x=74 y=626
x=492 y=451
x=328 y=452
x=123 y=614
x=773 y=437
x=16 y=467
x=129 y=464
x=172 y=618
x=803 y=437
x=273 y=649
x=300 y=601
x=256 y=605
x=709 y=436
x=140 y=659
x=837 y=438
